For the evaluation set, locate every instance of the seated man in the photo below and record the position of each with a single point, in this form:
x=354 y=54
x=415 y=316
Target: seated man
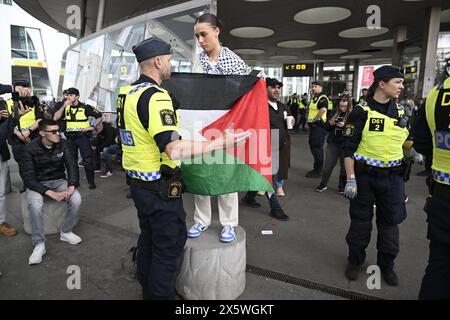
x=44 y=163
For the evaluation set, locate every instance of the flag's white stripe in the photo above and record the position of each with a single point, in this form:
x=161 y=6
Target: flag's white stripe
x=192 y=121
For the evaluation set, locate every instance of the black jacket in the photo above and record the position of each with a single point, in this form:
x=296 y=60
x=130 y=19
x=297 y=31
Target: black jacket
x=41 y=164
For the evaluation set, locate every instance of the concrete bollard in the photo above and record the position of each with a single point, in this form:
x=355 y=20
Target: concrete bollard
x=213 y=270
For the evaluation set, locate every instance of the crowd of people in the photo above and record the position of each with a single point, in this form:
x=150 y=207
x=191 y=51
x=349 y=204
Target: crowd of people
x=371 y=137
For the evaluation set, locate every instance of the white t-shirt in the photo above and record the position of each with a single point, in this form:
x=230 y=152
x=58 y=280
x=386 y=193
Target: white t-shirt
x=274 y=105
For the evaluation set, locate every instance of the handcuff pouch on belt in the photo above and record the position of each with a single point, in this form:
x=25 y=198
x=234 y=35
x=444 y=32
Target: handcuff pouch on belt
x=170 y=184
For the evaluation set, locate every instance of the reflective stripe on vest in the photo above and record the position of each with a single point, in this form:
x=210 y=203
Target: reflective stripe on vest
x=25 y=121
x=330 y=105
x=313 y=110
x=141 y=156
x=437 y=109
x=382 y=141
x=76 y=122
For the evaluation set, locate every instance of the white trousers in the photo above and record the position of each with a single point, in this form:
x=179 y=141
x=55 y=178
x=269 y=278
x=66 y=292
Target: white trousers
x=228 y=209
x=3 y=178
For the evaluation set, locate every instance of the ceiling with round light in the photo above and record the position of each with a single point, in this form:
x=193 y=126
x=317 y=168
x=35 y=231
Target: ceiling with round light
x=357 y=56
x=252 y=32
x=322 y=15
x=249 y=52
x=383 y=43
x=296 y=44
x=278 y=28
x=362 y=32
x=330 y=51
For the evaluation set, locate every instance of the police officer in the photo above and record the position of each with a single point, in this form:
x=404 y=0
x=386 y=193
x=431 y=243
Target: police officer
x=302 y=113
x=373 y=151
x=78 y=129
x=26 y=130
x=294 y=104
x=317 y=116
x=148 y=126
x=432 y=135
x=363 y=97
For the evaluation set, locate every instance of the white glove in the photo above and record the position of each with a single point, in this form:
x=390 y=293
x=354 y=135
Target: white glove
x=415 y=156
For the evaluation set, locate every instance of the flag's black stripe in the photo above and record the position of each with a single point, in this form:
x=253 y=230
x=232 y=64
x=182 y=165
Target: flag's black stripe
x=197 y=91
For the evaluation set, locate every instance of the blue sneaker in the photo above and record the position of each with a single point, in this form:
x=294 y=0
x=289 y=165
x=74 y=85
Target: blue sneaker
x=228 y=234
x=196 y=230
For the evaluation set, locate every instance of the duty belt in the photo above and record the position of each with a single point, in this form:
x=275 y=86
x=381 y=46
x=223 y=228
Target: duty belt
x=362 y=167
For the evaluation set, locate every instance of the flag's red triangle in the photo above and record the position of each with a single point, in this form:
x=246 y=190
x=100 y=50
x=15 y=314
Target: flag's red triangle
x=250 y=113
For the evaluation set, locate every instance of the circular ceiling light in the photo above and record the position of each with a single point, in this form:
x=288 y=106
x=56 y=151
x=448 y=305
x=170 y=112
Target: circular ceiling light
x=249 y=52
x=330 y=51
x=357 y=56
x=322 y=15
x=362 y=32
x=296 y=44
x=445 y=16
x=383 y=43
x=252 y=32
x=283 y=57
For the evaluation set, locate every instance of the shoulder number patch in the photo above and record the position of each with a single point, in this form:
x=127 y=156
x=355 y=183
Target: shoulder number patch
x=349 y=130
x=167 y=117
x=376 y=124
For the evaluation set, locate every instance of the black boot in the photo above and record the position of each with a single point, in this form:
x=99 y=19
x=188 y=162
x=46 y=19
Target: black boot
x=352 y=271
x=279 y=214
x=251 y=202
x=390 y=277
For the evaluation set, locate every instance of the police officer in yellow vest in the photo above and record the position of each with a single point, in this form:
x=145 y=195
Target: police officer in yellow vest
x=151 y=146
x=294 y=104
x=432 y=136
x=78 y=129
x=317 y=117
x=302 y=113
x=373 y=151
x=363 y=97
x=25 y=131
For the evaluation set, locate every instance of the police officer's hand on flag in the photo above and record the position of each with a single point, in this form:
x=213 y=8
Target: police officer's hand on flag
x=350 y=190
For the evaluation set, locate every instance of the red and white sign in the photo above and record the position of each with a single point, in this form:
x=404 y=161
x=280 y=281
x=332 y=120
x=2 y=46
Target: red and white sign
x=367 y=76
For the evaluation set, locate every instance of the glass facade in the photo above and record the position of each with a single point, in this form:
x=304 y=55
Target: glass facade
x=28 y=60
x=101 y=64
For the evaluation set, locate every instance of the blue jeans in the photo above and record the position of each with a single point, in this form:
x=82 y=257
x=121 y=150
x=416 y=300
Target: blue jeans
x=277 y=181
x=107 y=155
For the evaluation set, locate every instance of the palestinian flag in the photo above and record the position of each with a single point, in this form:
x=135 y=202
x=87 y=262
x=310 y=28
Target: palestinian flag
x=210 y=104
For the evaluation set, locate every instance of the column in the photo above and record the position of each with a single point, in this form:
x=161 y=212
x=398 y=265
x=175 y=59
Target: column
x=101 y=11
x=355 y=89
x=429 y=49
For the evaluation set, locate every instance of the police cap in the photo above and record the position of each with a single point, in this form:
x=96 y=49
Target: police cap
x=273 y=82
x=388 y=72
x=317 y=83
x=73 y=91
x=150 y=48
x=21 y=83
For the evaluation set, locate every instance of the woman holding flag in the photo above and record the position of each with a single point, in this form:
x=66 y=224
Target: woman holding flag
x=216 y=59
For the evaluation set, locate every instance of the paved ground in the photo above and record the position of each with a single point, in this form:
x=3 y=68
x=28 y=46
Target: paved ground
x=310 y=248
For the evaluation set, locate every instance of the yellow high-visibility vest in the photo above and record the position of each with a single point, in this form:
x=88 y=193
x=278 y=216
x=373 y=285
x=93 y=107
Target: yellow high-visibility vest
x=141 y=156
x=437 y=110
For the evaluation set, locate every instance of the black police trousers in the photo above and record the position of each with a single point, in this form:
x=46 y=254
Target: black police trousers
x=301 y=119
x=161 y=242
x=317 y=136
x=387 y=192
x=83 y=143
x=17 y=151
x=436 y=282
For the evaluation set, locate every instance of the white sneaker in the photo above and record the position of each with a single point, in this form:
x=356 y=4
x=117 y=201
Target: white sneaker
x=70 y=237
x=38 y=252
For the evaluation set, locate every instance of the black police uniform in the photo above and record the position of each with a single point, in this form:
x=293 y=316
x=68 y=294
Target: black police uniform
x=436 y=282
x=82 y=141
x=317 y=136
x=162 y=221
x=380 y=186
